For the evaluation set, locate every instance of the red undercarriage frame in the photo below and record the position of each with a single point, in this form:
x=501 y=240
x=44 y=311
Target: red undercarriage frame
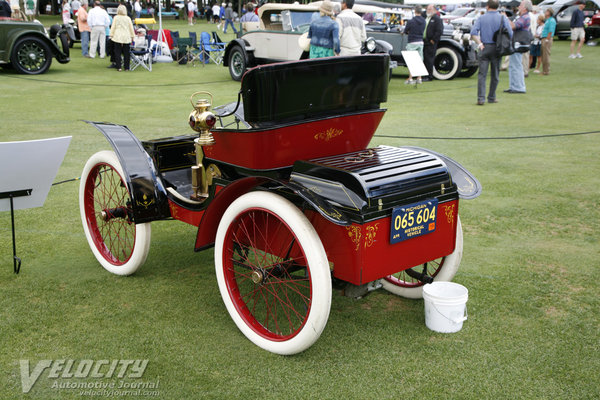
x=358 y=254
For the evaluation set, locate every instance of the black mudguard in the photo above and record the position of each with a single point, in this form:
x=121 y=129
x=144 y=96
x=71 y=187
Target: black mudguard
x=467 y=185
x=318 y=203
x=148 y=195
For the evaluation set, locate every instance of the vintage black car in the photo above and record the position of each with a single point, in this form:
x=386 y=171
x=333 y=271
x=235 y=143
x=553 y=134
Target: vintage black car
x=456 y=54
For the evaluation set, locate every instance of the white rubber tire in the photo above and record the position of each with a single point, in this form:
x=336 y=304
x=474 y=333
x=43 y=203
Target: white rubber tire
x=456 y=62
x=143 y=232
x=446 y=273
x=316 y=260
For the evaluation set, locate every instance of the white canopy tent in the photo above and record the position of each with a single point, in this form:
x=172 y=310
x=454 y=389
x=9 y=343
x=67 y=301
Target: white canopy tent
x=161 y=55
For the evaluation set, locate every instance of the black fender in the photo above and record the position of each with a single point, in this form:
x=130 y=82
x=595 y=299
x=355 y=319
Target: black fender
x=148 y=194
x=467 y=185
x=56 y=52
x=244 y=45
x=453 y=44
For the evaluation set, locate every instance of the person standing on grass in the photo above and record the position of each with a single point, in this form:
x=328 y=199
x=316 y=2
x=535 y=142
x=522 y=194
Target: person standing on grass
x=66 y=11
x=5 y=10
x=431 y=36
x=84 y=29
x=191 y=8
x=352 y=30
x=536 y=45
x=221 y=16
x=324 y=33
x=75 y=4
x=414 y=29
x=99 y=21
x=229 y=18
x=137 y=7
x=216 y=10
x=122 y=34
x=249 y=16
x=577 y=29
x=483 y=34
x=547 y=35
x=516 y=75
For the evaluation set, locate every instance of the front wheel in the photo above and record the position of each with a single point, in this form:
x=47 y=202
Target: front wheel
x=237 y=63
x=447 y=63
x=31 y=55
x=442 y=269
x=117 y=242
x=273 y=273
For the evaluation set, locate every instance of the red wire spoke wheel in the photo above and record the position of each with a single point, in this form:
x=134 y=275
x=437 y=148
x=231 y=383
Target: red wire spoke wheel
x=273 y=273
x=117 y=242
x=442 y=269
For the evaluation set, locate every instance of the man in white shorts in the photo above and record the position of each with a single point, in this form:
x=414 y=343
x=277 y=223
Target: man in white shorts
x=577 y=30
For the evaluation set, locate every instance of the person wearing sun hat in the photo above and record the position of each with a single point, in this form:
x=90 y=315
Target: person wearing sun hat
x=324 y=33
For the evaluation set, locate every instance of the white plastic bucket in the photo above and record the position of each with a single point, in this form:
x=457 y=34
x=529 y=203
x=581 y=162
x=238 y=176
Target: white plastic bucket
x=445 y=306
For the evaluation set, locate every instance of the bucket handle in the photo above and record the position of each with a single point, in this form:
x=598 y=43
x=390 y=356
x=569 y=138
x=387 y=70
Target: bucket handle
x=454 y=321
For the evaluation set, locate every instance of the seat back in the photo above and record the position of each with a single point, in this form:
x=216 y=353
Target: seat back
x=250 y=26
x=194 y=38
x=317 y=88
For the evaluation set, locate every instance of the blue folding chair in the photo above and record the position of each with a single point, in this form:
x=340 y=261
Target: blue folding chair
x=211 y=49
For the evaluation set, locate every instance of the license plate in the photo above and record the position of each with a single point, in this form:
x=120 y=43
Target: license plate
x=413 y=220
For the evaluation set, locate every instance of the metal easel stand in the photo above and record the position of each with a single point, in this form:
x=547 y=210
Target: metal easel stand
x=11 y=195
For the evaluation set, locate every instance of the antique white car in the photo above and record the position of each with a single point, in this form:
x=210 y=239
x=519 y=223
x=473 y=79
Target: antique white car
x=275 y=38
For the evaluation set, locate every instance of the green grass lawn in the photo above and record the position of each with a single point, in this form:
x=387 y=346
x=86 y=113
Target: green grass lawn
x=531 y=254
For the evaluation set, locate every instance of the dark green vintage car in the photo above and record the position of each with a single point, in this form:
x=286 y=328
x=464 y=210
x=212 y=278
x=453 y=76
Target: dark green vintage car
x=27 y=48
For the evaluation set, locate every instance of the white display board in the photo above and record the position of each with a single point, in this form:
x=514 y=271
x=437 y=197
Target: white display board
x=30 y=164
x=414 y=63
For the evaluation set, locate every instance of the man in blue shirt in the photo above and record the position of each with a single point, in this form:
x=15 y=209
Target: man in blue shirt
x=483 y=34
x=577 y=29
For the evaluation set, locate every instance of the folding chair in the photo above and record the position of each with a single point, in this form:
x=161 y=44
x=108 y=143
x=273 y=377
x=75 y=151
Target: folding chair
x=141 y=55
x=211 y=49
x=187 y=52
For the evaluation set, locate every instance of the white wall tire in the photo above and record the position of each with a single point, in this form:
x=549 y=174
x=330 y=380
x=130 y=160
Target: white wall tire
x=446 y=64
x=273 y=273
x=118 y=244
x=442 y=270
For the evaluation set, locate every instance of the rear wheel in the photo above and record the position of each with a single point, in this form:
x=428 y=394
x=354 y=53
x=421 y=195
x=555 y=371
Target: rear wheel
x=237 y=63
x=442 y=269
x=273 y=273
x=117 y=242
x=31 y=55
x=447 y=63
x=467 y=73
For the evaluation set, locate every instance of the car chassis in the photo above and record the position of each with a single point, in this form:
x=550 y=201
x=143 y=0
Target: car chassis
x=288 y=194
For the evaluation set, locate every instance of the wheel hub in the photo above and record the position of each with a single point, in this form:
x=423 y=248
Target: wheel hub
x=257 y=276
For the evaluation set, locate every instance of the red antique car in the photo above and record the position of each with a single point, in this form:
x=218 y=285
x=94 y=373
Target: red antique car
x=282 y=184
